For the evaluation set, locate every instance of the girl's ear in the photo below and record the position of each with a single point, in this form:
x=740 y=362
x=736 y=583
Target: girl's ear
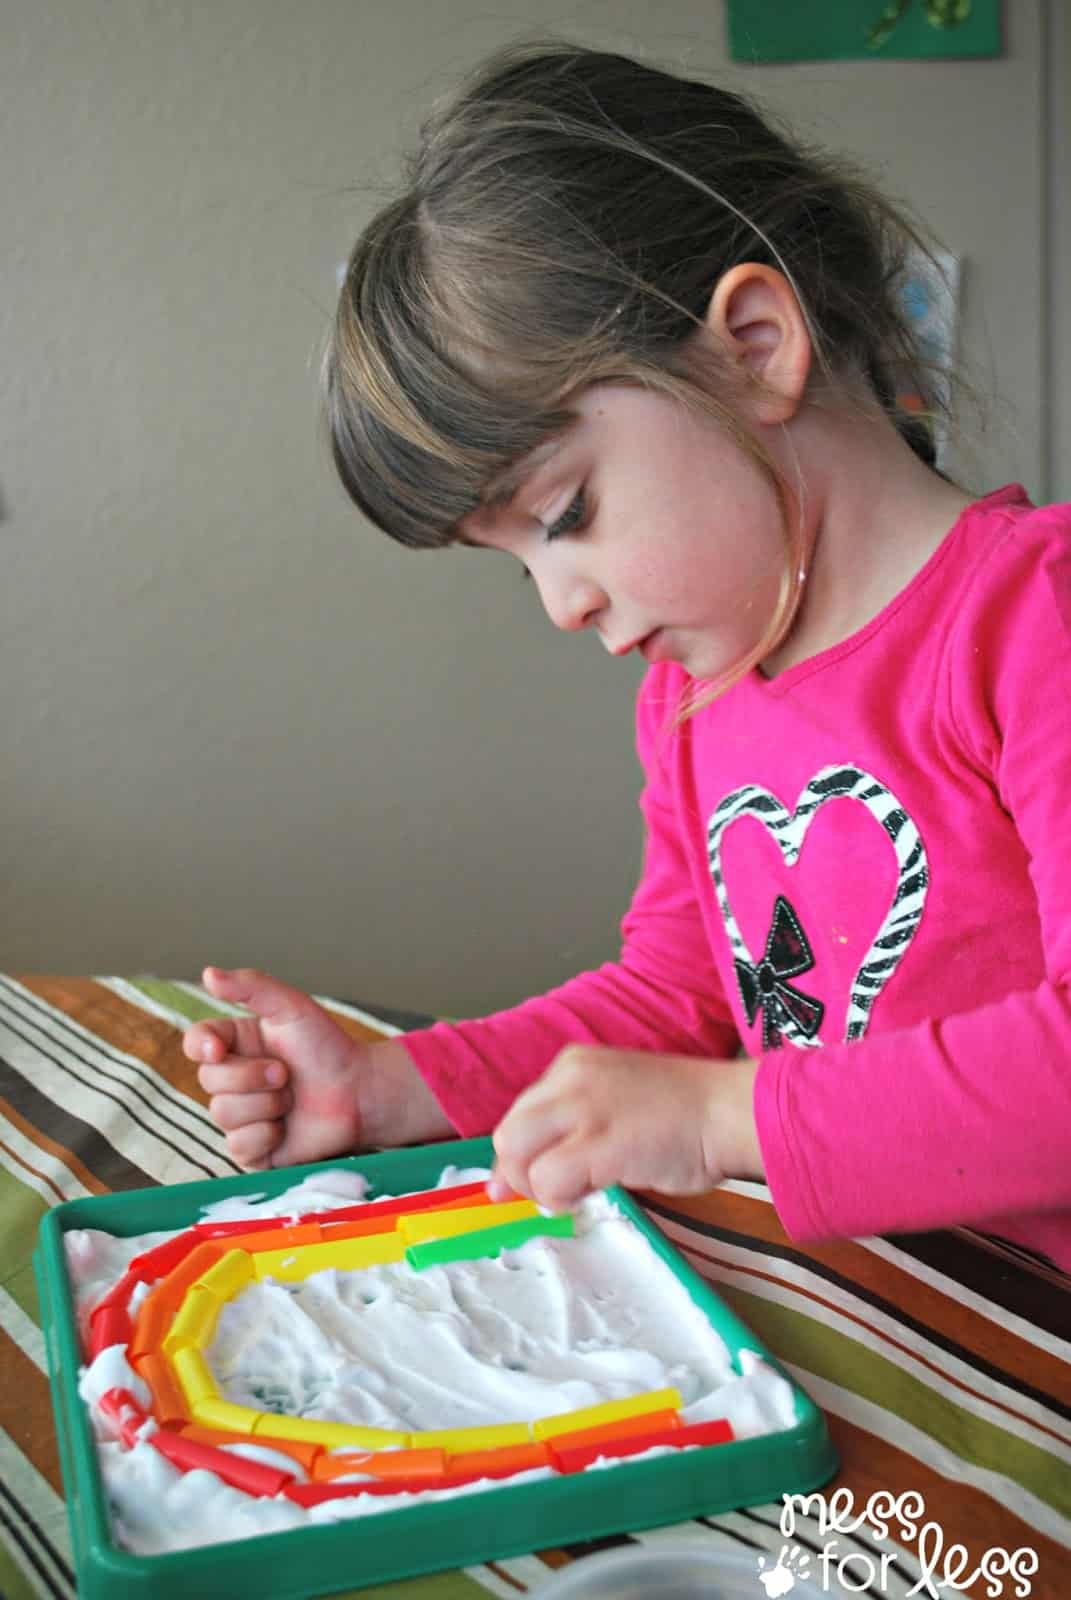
x=756 y=318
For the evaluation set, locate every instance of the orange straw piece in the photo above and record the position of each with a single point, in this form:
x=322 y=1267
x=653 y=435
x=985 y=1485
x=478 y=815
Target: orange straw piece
x=624 y=1428
x=279 y=1238
x=417 y=1463
x=305 y=1454
x=168 y=1401
x=356 y=1230
x=158 y=1310
x=501 y=1463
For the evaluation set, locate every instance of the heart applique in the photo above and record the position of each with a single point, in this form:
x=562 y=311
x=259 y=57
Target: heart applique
x=901 y=920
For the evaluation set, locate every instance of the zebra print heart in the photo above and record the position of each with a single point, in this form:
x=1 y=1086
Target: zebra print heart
x=900 y=922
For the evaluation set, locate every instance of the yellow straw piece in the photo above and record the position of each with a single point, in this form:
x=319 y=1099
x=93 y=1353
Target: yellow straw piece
x=229 y=1275
x=455 y=1441
x=636 y=1405
x=421 y=1225
x=348 y=1255
x=333 y=1435
x=226 y=1415
x=195 y=1380
x=195 y=1321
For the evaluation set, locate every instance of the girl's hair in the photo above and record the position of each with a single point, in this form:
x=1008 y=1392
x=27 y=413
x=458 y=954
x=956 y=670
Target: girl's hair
x=567 y=218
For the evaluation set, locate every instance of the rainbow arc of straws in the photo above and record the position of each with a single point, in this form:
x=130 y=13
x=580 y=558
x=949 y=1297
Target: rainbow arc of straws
x=197 y=1272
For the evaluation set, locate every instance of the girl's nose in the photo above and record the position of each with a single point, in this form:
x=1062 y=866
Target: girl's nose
x=570 y=600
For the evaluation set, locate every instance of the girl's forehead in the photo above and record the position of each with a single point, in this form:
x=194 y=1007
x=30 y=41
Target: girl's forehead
x=505 y=485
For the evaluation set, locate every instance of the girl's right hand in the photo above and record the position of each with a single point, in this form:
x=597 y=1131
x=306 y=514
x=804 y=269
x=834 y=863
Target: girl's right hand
x=285 y=1082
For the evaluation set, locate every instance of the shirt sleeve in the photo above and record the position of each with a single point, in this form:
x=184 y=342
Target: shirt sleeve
x=966 y=1118
x=662 y=995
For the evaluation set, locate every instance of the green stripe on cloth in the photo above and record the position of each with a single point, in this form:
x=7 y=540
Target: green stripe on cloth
x=13 y=1583
x=176 y=999
x=22 y=1209
x=829 y=1354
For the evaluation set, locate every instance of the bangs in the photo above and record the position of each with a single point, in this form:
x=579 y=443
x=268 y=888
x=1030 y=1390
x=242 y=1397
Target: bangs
x=415 y=436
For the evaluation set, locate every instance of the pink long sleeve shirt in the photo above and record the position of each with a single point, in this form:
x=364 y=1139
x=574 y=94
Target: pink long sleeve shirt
x=861 y=869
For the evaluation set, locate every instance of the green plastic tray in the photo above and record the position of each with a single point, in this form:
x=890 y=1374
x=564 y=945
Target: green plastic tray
x=509 y=1520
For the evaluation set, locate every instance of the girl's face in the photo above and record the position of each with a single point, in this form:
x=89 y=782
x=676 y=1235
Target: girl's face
x=644 y=522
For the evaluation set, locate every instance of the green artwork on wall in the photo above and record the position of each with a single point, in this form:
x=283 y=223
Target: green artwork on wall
x=861 y=30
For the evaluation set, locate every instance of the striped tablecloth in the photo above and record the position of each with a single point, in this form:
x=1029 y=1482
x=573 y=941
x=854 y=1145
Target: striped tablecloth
x=942 y=1361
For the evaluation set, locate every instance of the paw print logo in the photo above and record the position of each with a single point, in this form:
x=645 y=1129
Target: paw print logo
x=781 y=1580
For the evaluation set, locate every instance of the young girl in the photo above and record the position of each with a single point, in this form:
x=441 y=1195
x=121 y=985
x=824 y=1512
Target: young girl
x=622 y=330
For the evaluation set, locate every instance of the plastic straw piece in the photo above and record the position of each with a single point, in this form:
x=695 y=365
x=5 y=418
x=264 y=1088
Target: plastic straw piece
x=195 y=1320
x=159 y=1309
x=625 y=1428
x=195 y=1379
x=119 y=1293
x=163 y=1258
x=225 y=1415
x=348 y=1255
x=121 y=1408
x=227 y=1230
x=306 y=1455
x=292 y=1238
x=487 y=1242
x=456 y=1440
x=570 y=1457
x=609 y=1411
x=251 y=1476
x=169 y=1405
x=358 y=1229
x=109 y=1325
x=446 y=1224
x=230 y=1274
x=400 y=1205
x=314 y=1494
x=413 y=1464
x=498 y=1463
x=331 y=1435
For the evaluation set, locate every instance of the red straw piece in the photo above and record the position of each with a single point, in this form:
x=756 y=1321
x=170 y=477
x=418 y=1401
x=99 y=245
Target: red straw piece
x=121 y=1407
x=575 y=1457
x=396 y=1206
x=720 y=1431
x=162 y=1258
x=314 y=1494
x=224 y=1230
x=250 y=1476
x=109 y=1325
x=119 y=1293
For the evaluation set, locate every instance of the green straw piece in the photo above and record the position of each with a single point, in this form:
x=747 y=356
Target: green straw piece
x=487 y=1241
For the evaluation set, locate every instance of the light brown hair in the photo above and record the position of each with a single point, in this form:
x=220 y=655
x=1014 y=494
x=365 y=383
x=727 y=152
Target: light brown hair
x=566 y=219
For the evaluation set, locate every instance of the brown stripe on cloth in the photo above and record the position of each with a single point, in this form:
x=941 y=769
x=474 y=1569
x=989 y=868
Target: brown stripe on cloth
x=125 y=1063
x=124 y=1026
x=26 y=1411
x=112 y=1169
x=53 y=1148
x=877 y=1339
x=870 y=1464
x=987 y=1344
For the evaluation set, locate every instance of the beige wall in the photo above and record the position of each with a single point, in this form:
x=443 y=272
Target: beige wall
x=239 y=726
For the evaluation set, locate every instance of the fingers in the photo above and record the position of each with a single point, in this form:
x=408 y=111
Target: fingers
x=526 y=1142
x=252 y=1146
x=237 y=1075
x=210 y=1041
x=258 y=992
x=233 y=1111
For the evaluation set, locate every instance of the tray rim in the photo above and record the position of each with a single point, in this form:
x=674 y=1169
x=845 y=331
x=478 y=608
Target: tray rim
x=415 y=1539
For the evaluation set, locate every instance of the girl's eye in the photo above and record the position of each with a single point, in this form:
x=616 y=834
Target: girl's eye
x=570 y=520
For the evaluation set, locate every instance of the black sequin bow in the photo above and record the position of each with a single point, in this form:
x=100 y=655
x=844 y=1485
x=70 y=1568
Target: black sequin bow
x=766 y=986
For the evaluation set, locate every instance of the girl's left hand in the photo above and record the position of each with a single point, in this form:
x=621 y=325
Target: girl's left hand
x=599 y=1116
